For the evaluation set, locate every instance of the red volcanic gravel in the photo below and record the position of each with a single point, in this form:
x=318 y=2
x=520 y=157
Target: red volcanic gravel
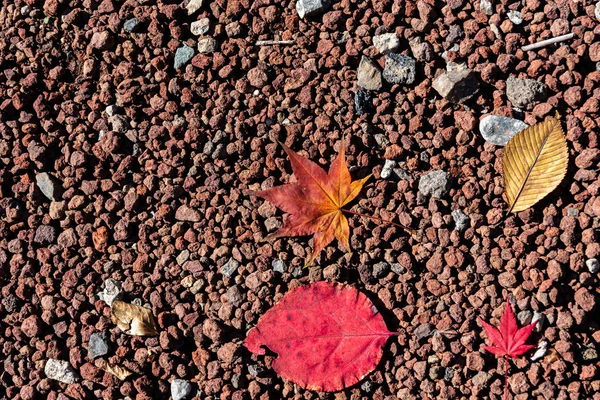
x=124 y=177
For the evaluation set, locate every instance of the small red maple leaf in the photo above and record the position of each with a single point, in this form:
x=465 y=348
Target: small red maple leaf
x=509 y=341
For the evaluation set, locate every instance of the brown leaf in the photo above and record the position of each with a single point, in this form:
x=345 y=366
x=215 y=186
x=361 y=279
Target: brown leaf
x=133 y=319
x=534 y=163
x=118 y=371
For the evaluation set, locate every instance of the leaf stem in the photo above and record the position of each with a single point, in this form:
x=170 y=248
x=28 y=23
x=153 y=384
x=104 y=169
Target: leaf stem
x=406 y=228
x=505 y=377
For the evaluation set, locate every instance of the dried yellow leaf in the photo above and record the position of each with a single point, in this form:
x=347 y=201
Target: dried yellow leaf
x=133 y=319
x=118 y=371
x=534 y=163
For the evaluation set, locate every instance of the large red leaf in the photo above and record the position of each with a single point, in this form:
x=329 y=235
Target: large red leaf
x=327 y=336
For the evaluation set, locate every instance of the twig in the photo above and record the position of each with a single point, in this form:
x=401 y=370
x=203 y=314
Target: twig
x=273 y=42
x=547 y=42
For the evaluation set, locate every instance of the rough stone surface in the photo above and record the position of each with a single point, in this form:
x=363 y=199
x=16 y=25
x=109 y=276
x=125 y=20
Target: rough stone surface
x=193 y=6
x=368 y=75
x=60 y=371
x=386 y=43
x=362 y=102
x=131 y=24
x=182 y=56
x=515 y=17
x=456 y=86
x=525 y=93
x=230 y=268
x=48 y=186
x=279 y=266
x=45 y=234
x=200 y=27
x=499 y=130
x=399 y=69
x=485 y=6
x=592 y=265
x=97 y=345
x=207 y=45
x=185 y=213
x=112 y=291
x=435 y=184
x=180 y=389
x=307 y=8
x=461 y=220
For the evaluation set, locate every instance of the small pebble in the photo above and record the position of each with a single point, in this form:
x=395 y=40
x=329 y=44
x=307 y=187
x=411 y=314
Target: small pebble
x=200 y=27
x=388 y=169
x=278 y=266
x=60 y=371
x=362 y=102
x=368 y=75
x=131 y=24
x=461 y=220
x=435 y=184
x=515 y=17
x=180 y=389
x=380 y=269
x=112 y=291
x=97 y=345
x=229 y=268
x=207 y=45
x=525 y=93
x=307 y=8
x=386 y=43
x=592 y=265
x=399 y=69
x=48 y=186
x=457 y=85
x=182 y=56
x=499 y=130
x=193 y=6
x=485 y=6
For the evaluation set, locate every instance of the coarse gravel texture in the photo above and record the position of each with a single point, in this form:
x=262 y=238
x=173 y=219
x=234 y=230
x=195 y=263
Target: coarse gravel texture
x=153 y=167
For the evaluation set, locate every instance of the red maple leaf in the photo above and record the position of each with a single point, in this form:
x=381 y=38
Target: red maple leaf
x=327 y=336
x=509 y=341
x=315 y=201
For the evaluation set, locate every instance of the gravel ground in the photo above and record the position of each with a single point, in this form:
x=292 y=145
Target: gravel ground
x=131 y=132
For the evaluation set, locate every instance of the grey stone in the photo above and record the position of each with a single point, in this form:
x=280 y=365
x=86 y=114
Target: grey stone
x=540 y=318
x=362 y=101
x=481 y=379
x=388 y=169
x=525 y=93
x=98 y=345
x=386 y=43
x=111 y=110
x=183 y=55
x=112 y=291
x=399 y=69
x=421 y=50
x=540 y=351
x=180 y=389
x=499 y=130
x=45 y=234
x=368 y=75
x=592 y=265
x=367 y=386
x=207 y=45
x=234 y=296
x=448 y=374
x=279 y=266
x=436 y=372
x=48 y=186
x=398 y=268
x=131 y=24
x=380 y=269
x=597 y=11
x=435 y=184
x=255 y=369
x=486 y=7
x=423 y=331
x=193 y=6
x=297 y=272
x=461 y=220
x=60 y=371
x=590 y=354
x=200 y=27
x=515 y=17
x=229 y=268
x=456 y=86
x=572 y=212
x=233 y=29
x=524 y=317
x=307 y=8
